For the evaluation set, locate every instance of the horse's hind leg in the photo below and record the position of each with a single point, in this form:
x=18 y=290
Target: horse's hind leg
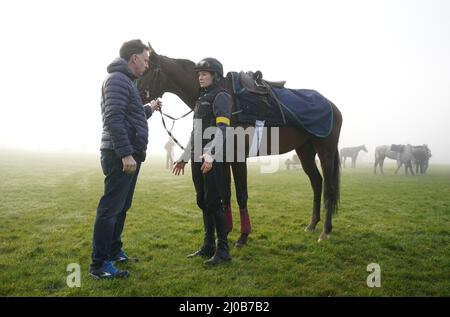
x=409 y=166
x=398 y=167
x=331 y=174
x=240 y=183
x=307 y=155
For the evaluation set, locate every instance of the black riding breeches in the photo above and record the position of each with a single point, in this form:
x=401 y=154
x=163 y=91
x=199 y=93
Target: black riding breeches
x=209 y=187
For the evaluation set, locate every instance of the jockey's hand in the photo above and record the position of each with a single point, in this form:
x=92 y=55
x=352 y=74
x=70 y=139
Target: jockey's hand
x=178 y=167
x=129 y=164
x=207 y=164
x=155 y=105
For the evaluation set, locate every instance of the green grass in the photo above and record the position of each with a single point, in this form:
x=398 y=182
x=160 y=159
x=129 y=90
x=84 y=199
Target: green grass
x=47 y=210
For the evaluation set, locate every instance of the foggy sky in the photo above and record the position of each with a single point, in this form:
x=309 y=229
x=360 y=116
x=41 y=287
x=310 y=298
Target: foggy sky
x=385 y=64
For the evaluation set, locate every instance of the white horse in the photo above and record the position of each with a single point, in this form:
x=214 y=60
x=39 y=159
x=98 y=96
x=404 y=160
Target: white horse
x=351 y=152
x=401 y=153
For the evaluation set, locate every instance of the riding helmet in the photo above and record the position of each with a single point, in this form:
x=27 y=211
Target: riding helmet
x=211 y=65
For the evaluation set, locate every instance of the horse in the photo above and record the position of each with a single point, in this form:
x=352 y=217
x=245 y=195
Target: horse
x=405 y=156
x=178 y=76
x=381 y=152
x=400 y=153
x=421 y=156
x=351 y=152
x=294 y=161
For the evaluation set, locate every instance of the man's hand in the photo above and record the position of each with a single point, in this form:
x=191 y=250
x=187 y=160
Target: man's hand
x=155 y=105
x=178 y=167
x=129 y=164
x=207 y=164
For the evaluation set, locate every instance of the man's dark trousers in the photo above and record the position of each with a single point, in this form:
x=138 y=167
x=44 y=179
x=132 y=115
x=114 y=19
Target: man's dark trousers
x=112 y=208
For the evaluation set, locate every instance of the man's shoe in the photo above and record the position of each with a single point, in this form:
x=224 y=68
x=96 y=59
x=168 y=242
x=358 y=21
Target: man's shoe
x=120 y=257
x=203 y=252
x=108 y=271
x=217 y=259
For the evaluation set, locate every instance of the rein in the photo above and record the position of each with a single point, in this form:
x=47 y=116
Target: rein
x=169 y=132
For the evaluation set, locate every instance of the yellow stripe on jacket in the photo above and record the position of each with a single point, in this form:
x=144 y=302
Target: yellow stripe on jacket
x=223 y=120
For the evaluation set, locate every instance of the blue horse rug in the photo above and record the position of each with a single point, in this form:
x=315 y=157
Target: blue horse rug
x=303 y=108
x=307 y=109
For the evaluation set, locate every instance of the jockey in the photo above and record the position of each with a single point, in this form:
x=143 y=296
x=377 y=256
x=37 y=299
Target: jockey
x=213 y=113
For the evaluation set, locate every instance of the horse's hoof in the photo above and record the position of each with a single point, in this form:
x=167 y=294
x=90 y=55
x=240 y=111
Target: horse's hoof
x=309 y=228
x=323 y=236
x=242 y=240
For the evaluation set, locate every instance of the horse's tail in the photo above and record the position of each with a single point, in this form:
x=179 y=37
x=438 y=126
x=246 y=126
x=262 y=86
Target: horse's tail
x=334 y=198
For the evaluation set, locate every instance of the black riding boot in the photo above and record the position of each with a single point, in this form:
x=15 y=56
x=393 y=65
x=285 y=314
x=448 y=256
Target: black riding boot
x=222 y=254
x=209 y=246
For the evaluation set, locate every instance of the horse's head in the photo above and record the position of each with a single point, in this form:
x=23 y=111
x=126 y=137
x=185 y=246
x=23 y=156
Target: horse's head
x=167 y=74
x=151 y=84
x=364 y=148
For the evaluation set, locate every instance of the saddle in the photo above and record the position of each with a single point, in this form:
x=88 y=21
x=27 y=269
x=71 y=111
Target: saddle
x=255 y=83
x=254 y=98
x=397 y=148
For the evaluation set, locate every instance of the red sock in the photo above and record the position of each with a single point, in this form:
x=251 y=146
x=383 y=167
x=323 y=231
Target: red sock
x=229 y=218
x=245 y=221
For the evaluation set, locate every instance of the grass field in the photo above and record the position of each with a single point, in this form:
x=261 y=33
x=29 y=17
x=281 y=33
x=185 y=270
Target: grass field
x=48 y=203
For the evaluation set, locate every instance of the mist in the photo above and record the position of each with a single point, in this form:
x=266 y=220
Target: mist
x=385 y=64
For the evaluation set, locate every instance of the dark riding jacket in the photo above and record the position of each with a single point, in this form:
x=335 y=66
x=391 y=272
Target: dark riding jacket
x=125 y=127
x=212 y=109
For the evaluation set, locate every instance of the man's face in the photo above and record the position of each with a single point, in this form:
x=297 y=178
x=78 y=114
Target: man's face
x=205 y=79
x=139 y=63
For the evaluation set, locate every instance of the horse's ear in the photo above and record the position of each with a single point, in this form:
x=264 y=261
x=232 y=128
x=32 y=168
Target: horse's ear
x=152 y=51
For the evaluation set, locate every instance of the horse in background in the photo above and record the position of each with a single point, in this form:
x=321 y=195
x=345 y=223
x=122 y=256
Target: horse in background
x=351 y=152
x=179 y=77
x=421 y=156
x=398 y=152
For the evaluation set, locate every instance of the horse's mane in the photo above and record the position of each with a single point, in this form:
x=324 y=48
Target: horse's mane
x=186 y=64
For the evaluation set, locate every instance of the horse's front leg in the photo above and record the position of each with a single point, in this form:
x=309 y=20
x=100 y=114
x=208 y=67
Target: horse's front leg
x=227 y=196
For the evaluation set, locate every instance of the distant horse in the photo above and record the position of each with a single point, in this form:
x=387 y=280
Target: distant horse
x=351 y=152
x=421 y=156
x=294 y=161
x=178 y=77
x=401 y=153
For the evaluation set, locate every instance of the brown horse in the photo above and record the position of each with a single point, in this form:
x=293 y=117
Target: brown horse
x=177 y=76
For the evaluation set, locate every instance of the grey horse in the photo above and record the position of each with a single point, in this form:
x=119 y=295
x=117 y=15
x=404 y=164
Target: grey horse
x=351 y=152
x=401 y=153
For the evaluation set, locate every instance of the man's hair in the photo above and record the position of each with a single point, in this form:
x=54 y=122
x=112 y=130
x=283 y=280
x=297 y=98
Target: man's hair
x=132 y=47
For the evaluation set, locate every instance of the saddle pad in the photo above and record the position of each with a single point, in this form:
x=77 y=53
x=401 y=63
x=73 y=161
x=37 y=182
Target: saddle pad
x=306 y=108
x=303 y=108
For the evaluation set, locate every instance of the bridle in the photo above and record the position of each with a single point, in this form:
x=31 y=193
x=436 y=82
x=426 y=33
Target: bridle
x=153 y=86
x=156 y=85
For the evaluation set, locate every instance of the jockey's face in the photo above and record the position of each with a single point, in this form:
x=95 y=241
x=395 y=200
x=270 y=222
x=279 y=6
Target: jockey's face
x=139 y=63
x=205 y=78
